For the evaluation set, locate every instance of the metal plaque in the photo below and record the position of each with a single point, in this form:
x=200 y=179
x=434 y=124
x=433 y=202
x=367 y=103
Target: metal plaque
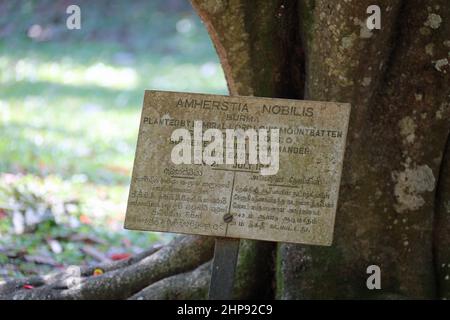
x=292 y=201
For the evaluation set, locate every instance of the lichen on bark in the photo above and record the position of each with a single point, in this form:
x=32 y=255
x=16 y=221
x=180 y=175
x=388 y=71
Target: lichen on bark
x=388 y=77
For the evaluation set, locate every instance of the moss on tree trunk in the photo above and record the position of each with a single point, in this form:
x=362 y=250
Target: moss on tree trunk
x=322 y=50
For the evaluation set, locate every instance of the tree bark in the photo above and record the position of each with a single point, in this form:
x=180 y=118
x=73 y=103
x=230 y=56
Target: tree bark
x=322 y=50
x=442 y=227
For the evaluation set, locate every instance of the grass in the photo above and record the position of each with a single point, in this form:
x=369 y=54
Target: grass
x=66 y=117
x=70 y=103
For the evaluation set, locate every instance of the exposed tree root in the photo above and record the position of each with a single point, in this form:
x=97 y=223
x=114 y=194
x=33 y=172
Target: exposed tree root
x=123 y=279
x=56 y=279
x=253 y=277
x=189 y=285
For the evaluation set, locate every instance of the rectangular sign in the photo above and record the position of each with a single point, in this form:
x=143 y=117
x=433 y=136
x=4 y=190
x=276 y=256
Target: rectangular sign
x=289 y=197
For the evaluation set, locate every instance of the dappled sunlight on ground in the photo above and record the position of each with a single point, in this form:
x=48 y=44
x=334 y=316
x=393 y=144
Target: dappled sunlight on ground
x=69 y=116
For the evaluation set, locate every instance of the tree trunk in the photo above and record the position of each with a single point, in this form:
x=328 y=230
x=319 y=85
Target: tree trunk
x=394 y=204
x=322 y=50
